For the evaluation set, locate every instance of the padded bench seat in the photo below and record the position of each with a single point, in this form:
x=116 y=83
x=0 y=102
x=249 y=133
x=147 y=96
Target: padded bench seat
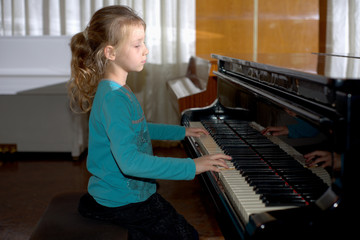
x=62 y=221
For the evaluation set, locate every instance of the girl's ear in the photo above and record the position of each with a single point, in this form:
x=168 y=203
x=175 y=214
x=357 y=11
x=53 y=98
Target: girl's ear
x=109 y=52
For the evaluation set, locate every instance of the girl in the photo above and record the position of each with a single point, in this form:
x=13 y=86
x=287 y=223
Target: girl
x=122 y=187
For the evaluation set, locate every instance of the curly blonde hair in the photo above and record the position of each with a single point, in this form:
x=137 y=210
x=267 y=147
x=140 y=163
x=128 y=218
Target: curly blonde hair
x=108 y=26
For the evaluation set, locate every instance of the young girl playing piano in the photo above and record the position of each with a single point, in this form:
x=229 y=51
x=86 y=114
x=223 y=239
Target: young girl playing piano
x=122 y=188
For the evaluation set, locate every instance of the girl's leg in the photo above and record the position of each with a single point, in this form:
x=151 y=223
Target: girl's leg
x=153 y=219
x=88 y=207
x=159 y=220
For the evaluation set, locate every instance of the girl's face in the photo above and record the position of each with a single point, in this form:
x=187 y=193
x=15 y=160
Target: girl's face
x=131 y=56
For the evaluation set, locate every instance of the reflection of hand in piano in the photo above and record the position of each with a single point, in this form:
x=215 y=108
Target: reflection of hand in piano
x=211 y=162
x=323 y=159
x=276 y=131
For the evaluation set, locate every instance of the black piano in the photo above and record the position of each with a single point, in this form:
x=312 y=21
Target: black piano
x=269 y=190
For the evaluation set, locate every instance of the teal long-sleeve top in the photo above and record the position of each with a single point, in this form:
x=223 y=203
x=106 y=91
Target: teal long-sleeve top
x=120 y=156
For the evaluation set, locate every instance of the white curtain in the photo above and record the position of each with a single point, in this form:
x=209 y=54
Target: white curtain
x=170 y=37
x=343 y=26
x=343 y=37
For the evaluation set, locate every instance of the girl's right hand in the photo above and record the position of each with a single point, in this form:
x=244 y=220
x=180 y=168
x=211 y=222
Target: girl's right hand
x=210 y=162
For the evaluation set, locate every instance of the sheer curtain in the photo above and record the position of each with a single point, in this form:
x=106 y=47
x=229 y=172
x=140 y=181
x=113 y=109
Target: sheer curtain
x=343 y=36
x=170 y=37
x=343 y=26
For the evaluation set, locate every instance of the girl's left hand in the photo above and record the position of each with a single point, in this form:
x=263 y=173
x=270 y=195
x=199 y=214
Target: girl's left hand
x=195 y=132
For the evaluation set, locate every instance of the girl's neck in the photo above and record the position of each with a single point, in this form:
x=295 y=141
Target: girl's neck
x=116 y=74
x=120 y=79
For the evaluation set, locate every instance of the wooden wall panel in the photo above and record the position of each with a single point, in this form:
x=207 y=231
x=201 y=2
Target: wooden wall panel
x=255 y=26
x=288 y=26
x=224 y=26
x=283 y=26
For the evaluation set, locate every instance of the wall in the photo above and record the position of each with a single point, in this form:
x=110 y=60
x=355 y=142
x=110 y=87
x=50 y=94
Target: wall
x=35 y=114
x=258 y=26
x=28 y=63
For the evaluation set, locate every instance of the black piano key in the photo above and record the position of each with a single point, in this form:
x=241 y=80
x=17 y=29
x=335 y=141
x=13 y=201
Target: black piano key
x=247 y=165
x=246 y=159
x=269 y=182
x=283 y=200
x=279 y=198
x=284 y=203
x=281 y=195
x=277 y=157
x=239 y=149
x=239 y=153
x=279 y=186
x=306 y=188
x=225 y=136
x=273 y=190
x=269 y=188
x=264 y=177
x=262 y=171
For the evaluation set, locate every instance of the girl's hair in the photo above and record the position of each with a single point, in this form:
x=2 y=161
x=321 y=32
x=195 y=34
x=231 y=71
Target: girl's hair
x=108 y=26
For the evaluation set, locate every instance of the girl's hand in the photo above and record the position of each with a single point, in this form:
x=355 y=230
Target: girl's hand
x=195 y=132
x=210 y=162
x=276 y=131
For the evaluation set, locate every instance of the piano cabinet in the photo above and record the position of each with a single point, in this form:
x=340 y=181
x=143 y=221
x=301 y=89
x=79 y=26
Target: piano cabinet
x=269 y=191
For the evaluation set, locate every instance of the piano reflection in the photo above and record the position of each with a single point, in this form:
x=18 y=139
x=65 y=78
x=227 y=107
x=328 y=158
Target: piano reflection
x=269 y=190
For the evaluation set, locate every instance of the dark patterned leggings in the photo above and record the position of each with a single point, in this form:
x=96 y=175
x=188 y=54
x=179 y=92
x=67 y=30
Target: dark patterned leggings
x=154 y=218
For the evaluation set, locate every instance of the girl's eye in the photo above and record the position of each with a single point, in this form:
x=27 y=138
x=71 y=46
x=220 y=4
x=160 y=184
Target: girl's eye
x=139 y=45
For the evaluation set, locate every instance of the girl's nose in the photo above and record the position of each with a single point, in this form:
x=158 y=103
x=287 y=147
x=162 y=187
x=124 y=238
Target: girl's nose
x=146 y=52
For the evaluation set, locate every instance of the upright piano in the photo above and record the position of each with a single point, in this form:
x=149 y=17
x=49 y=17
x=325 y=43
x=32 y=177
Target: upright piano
x=269 y=190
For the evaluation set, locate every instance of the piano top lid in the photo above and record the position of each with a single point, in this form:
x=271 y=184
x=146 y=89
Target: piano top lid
x=322 y=67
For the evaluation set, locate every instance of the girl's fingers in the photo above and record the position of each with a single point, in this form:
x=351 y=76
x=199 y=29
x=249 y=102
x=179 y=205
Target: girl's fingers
x=220 y=156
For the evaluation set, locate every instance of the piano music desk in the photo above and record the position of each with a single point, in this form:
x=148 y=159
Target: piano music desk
x=198 y=88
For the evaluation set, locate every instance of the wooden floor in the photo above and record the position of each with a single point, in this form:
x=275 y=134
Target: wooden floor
x=29 y=181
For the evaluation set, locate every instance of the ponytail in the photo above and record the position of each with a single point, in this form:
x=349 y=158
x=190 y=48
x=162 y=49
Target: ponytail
x=85 y=75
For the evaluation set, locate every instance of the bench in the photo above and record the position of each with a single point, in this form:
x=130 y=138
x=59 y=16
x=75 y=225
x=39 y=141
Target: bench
x=62 y=221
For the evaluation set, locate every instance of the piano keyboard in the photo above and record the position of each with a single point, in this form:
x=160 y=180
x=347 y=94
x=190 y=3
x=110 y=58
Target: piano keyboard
x=262 y=175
